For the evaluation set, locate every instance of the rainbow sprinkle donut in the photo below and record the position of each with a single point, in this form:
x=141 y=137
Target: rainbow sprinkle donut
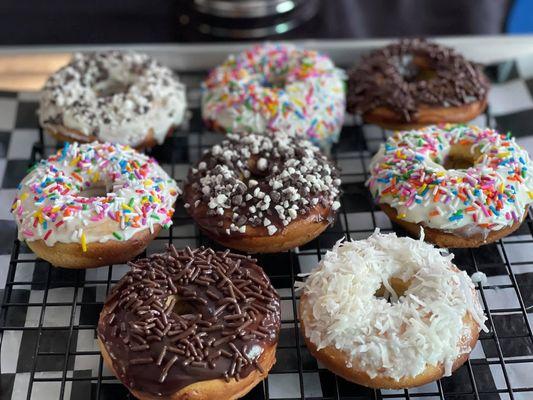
x=465 y=185
x=276 y=87
x=93 y=204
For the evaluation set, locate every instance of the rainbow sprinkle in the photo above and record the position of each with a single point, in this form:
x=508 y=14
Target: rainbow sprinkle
x=55 y=203
x=407 y=173
x=277 y=87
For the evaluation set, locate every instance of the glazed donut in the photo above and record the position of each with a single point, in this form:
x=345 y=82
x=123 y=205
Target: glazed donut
x=262 y=194
x=191 y=324
x=276 y=87
x=93 y=204
x=466 y=185
x=414 y=83
x=389 y=312
x=118 y=97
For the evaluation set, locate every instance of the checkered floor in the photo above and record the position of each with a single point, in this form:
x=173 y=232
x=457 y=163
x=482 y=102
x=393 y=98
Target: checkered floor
x=48 y=315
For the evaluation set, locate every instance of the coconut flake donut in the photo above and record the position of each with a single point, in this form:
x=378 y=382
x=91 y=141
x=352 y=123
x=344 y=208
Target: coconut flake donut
x=93 y=204
x=466 y=185
x=262 y=193
x=191 y=324
x=276 y=87
x=118 y=97
x=389 y=312
x=414 y=83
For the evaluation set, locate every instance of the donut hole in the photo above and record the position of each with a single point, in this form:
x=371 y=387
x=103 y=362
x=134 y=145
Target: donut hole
x=459 y=157
x=425 y=75
x=180 y=307
x=458 y=163
x=277 y=82
x=111 y=88
x=415 y=69
x=258 y=167
x=398 y=286
x=96 y=190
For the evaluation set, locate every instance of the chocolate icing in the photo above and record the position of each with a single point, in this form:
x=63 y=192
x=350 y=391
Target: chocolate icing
x=414 y=72
x=257 y=180
x=227 y=313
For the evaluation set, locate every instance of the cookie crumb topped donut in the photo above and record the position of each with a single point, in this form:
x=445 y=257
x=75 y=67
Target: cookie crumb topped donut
x=191 y=324
x=466 y=185
x=276 y=87
x=262 y=193
x=118 y=97
x=389 y=312
x=93 y=204
x=413 y=83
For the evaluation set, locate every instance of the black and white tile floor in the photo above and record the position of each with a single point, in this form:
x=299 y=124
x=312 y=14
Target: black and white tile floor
x=48 y=346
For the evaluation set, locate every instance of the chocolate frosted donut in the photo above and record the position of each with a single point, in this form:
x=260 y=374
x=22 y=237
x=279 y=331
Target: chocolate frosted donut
x=192 y=324
x=259 y=193
x=413 y=83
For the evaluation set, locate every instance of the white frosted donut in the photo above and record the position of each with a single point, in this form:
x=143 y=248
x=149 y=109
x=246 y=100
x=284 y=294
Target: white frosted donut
x=120 y=97
x=90 y=200
x=378 y=343
x=276 y=87
x=475 y=203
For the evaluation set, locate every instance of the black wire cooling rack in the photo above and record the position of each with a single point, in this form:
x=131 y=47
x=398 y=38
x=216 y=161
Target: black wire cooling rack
x=296 y=375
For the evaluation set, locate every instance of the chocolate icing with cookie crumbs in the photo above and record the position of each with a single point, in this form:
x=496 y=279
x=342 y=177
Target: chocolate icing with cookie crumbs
x=186 y=316
x=261 y=181
x=392 y=77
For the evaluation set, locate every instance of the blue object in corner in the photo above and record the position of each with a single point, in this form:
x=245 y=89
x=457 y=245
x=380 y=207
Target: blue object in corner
x=520 y=19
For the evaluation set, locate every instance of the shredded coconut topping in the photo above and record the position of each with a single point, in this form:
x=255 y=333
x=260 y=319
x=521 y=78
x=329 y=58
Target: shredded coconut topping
x=260 y=180
x=113 y=96
x=479 y=277
x=421 y=327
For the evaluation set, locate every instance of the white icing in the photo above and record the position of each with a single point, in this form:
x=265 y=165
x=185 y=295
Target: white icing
x=55 y=185
x=153 y=100
x=398 y=339
x=421 y=152
x=310 y=102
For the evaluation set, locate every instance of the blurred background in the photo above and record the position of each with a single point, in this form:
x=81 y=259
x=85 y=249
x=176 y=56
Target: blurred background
x=179 y=21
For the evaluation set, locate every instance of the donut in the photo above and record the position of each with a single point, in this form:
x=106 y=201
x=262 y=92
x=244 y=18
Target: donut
x=262 y=194
x=93 y=204
x=414 y=83
x=191 y=324
x=389 y=312
x=466 y=185
x=276 y=87
x=118 y=97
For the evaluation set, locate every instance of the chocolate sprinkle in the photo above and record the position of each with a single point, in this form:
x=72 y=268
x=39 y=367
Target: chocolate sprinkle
x=174 y=331
x=411 y=73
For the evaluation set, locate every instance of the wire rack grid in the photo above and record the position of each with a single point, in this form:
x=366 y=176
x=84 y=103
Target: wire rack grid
x=297 y=374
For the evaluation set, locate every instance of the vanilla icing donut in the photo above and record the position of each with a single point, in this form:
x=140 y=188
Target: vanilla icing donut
x=466 y=185
x=276 y=87
x=119 y=97
x=389 y=312
x=93 y=204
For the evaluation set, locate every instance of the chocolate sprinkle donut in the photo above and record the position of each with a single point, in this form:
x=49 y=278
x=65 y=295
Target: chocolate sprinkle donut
x=393 y=77
x=256 y=180
x=186 y=316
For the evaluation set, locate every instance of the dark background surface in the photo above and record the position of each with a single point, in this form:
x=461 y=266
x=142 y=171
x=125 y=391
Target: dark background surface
x=142 y=21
